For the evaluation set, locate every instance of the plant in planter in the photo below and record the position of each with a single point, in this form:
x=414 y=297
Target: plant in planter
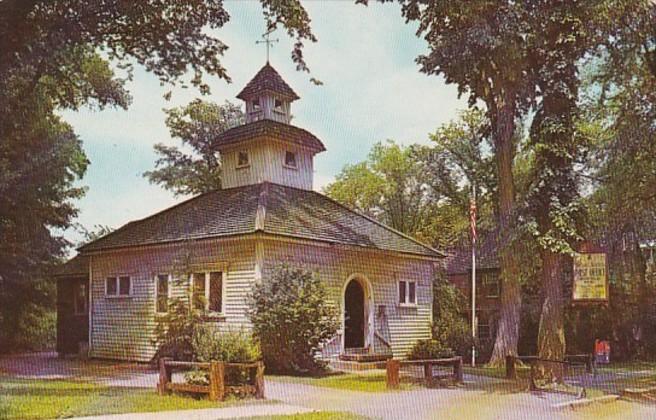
x=227 y=346
x=430 y=349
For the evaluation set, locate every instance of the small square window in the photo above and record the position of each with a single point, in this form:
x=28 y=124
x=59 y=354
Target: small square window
x=407 y=292
x=243 y=159
x=491 y=286
x=256 y=105
x=277 y=105
x=290 y=159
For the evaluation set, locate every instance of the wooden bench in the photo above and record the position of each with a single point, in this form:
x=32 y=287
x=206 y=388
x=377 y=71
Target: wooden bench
x=585 y=359
x=394 y=369
x=217 y=389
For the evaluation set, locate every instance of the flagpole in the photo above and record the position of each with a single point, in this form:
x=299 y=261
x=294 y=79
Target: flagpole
x=472 y=212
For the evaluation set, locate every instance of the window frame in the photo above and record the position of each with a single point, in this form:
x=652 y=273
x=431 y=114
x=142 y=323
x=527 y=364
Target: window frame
x=117 y=280
x=206 y=291
x=279 y=109
x=76 y=309
x=406 y=299
x=168 y=292
x=484 y=277
x=248 y=158
x=284 y=160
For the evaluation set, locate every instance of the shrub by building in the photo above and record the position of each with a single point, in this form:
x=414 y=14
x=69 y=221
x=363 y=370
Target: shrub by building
x=291 y=317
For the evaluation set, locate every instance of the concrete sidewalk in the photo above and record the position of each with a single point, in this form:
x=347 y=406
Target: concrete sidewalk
x=209 y=413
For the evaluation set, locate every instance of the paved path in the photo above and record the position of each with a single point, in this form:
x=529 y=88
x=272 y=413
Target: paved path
x=210 y=413
x=611 y=380
x=471 y=401
x=479 y=398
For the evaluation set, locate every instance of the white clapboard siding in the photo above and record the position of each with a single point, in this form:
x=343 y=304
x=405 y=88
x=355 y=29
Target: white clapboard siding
x=335 y=265
x=124 y=328
x=267 y=158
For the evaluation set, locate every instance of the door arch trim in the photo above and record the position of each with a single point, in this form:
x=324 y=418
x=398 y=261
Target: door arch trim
x=368 y=309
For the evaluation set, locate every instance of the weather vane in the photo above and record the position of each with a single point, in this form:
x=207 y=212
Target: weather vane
x=268 y=41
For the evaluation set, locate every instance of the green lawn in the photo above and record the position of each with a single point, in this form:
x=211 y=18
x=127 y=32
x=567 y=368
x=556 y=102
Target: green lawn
x=46 y=399
x=367 y=382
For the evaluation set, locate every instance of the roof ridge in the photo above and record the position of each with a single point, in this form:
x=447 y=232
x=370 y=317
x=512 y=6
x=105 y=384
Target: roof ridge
x=408 y=237
x=262 y=203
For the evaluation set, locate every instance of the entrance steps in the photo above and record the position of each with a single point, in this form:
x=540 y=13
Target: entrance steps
x=359 y=360
x=350 y=366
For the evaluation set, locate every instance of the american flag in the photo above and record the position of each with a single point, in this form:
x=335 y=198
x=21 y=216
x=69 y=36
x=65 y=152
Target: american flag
x=472 y=218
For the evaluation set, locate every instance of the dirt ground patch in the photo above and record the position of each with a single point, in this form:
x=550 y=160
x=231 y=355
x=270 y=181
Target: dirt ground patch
x=48 y=366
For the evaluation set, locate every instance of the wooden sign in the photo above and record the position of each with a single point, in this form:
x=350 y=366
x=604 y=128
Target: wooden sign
x=590 y=277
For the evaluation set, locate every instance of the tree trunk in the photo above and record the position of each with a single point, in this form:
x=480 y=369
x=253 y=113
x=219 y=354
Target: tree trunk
x=507 y=334
x=551 y=334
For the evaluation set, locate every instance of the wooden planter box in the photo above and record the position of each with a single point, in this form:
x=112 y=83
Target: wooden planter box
x=218 y=388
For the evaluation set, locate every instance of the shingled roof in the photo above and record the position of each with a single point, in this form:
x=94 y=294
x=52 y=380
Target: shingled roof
x=267 y=80
x=487 y=256
x=269 y=208
x=269 y=129
x=77 y=266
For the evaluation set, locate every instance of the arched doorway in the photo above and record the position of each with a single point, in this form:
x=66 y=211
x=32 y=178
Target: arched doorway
x=356 y=319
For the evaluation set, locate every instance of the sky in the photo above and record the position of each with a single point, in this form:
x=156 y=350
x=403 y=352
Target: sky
x=372 y=91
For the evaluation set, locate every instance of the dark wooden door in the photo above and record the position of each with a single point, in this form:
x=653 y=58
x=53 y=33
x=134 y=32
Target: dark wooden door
x=354 y=315
x=72 y=314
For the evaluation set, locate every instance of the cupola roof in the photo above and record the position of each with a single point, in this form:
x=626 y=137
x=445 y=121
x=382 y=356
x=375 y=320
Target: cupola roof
x=267 y=80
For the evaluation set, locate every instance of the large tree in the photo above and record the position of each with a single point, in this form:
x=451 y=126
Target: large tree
x=561 y=39
x=39 y=168
x=564 y=34
x=196 y=125
x=480 y=46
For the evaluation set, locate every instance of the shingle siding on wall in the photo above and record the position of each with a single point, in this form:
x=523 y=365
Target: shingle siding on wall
x=123 y=328
x=335 y=265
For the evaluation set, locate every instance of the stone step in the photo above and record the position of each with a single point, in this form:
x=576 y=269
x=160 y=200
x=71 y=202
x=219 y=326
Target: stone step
x=364 y=357
x=355 y=367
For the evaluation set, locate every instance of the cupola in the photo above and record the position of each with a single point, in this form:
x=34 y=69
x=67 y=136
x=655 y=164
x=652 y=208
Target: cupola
x=268 y=148
x=268 y=96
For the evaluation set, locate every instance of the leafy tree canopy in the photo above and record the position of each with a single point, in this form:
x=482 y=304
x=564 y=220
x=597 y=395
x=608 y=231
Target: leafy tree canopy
x=389 y=186
x=197 y=126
